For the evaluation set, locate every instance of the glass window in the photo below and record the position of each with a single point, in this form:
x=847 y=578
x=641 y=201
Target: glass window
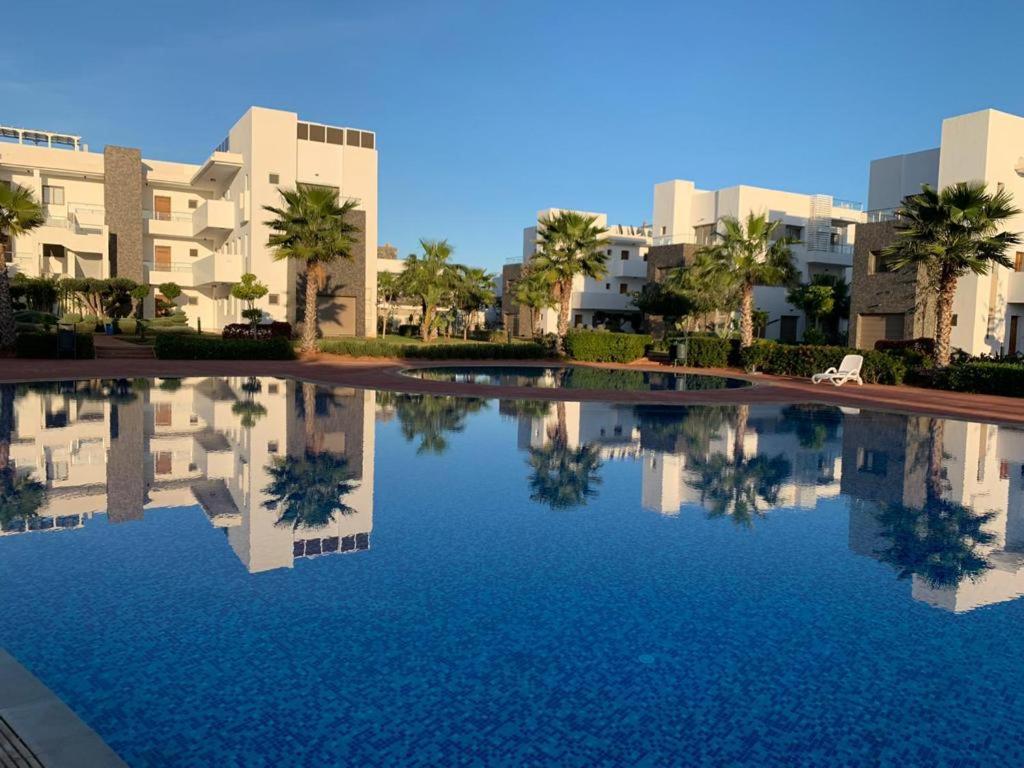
x=367 y=140
x=273 y=298
x=53 y=195
x=335 y=136
x=193 y=252
x=193 y=203
x=303 y=131
x=352 y=138
x=623 y=288
x=316 y=133
x=625 y=255
x=274 y=178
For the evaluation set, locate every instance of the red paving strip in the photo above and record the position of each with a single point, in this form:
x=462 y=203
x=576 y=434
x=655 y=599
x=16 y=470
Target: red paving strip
x=378 y=373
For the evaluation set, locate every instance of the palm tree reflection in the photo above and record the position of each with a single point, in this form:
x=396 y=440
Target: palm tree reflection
x=20 y=495
x=430 y=418
x=307 y=491
x=563 y=476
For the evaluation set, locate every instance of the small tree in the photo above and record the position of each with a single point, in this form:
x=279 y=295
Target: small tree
x=389 y=290
x=139 y=294
x=249 y=291
x=431 y=278
x=19 y=213
x=170 y=291
x=533 y=290
x=473 y=292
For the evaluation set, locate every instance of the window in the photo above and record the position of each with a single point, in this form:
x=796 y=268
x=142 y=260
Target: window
x=623 y=288
x=272 y=446
x=1018 y=262
x=273 y=298
x=609 y=252
x=872 y=462
x=162 y=256
x=335 y=136
x=878 y=263
x=367 y=140
x=162 y=414
x=953 y=321
x=352 y=138
x=163 y=462
x=317 y=133
x=193 y=252
x=161 y=208
x=274 y=178
x=625 y=255
x=607 y=286
x=193 y=203
x=303 y=131
x=193 y=419
x=664 y=231
x=1004 y=470
x=272 y=389
x=53 y=195
x=193 y=300
x=794 y=232
x=703 y=234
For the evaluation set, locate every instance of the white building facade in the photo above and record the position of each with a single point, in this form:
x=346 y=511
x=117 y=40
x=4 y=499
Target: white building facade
x=200 y=226
x=824 y=227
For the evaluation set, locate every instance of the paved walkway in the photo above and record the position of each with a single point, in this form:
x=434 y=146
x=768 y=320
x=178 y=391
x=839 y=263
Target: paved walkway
x=377 y=373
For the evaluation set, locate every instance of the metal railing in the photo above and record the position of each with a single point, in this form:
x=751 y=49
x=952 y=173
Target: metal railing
x=169 y=266
x=167 y=215
x=678 y=238
x=852 y=205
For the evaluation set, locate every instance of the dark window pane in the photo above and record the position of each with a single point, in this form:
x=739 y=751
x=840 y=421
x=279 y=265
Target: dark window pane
x=303 y=132
x=367 y=140
x=335 y=136
x=316 y=133
x=352 y=138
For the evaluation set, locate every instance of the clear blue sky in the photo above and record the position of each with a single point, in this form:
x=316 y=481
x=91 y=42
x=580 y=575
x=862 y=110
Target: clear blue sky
x=486 y=112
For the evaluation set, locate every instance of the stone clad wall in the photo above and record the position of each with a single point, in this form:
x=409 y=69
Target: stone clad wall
x=122 y=201
x=346 y=281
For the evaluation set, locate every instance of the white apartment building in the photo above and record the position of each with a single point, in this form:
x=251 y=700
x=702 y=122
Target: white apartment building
x=685 y=219
x=594 y=301
x=117 y=214
x=983 y=146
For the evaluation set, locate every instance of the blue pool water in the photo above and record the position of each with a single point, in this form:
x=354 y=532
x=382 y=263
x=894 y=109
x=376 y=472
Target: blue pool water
x=511 y=583
x=576 y=377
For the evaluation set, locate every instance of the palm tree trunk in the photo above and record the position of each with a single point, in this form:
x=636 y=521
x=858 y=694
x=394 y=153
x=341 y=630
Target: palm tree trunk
x=747 y=316
x=309 y=416
x=936 y=440
x=427 y=329
x=7 y=328
x=742 y=417
x=564 y=297
x=309 y=326
x=944 y=319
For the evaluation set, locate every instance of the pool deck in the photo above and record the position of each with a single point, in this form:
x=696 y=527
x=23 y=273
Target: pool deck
x=385 y=374
x=37 y=730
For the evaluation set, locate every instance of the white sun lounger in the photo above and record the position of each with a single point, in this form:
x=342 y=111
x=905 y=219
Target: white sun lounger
x=849 y=370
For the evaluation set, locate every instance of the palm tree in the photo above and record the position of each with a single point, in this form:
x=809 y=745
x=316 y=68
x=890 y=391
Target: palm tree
x=19 y=213
x=474 y=291
x=315 y=229
x=533 y=290
x=389 y=289
x=708 y=290
x=431 y=279
x=569 y=244
x=746 y=254
x=953 y=232
x=307 y=491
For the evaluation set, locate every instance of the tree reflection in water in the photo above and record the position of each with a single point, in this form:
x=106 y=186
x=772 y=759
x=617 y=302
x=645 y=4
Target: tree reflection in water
x=430 y=418
x=307 y=491
x=562 y=476
x=939 y=541
x=20 y=495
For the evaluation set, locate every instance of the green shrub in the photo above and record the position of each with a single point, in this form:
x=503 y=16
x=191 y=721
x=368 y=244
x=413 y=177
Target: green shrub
x=806 y=360
x=605 y=346
x=708 y=352
x=43 y=345
x=71 y=317
x=35 y=317
x=373 y=348
x=181 y=346
x=981 y=378
x=178 y=317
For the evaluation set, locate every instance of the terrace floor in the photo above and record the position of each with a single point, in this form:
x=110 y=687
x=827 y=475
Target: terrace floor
x=385 y=374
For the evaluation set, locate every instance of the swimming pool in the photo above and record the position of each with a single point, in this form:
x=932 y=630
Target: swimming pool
x=264 y=572
x=576 y=377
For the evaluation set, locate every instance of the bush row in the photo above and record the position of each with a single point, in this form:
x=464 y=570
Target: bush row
x=262 y=331
x=605 y=346
x=371 y=348
x=981 y=378
x=178 y=346
x=805 y=361
x=43 y=345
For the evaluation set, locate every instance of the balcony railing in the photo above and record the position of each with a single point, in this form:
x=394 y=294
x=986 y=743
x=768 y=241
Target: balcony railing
x=169 y=266
x=852 y=205
x=679 y=238
x=844 y=249
x=167 y=215
x=882 y=214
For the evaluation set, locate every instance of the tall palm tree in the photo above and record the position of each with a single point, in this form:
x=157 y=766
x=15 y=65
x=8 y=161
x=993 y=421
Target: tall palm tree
x=313 y=228
x=745 y=254
x=569 y=244
x=19 y=213
x=431 y=278
x=534 y=291
x=389 y=289
x=474 y=291
x=952 y=232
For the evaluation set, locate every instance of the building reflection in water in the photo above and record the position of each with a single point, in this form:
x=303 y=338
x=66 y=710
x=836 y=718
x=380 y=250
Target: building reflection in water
x=286 y=468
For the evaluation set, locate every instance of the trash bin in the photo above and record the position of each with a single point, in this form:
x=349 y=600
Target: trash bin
x=66 y=341
x=680 y=351
x=108 y=328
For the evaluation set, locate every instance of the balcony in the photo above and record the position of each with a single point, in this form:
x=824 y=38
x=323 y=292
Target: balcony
x=217 y=172
x=168 y=224
x=64 y=227
x=179 y=272
x=606 y=300
x=212 y=219
x=217 y=268
x=632 y=267
x=837 y=254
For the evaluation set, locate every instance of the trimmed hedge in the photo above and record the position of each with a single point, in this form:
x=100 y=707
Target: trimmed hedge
x=805 y=360
x=41 y=345
x=35 y=317
x=372 y=348
x=262 y=331
x=179 y=346
x=923 y=345
x=606 y=346
x=980 y=378
x=708 y=352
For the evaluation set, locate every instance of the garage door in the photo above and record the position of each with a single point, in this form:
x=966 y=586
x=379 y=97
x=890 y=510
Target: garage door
x=337 y=315
x=872 y=328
